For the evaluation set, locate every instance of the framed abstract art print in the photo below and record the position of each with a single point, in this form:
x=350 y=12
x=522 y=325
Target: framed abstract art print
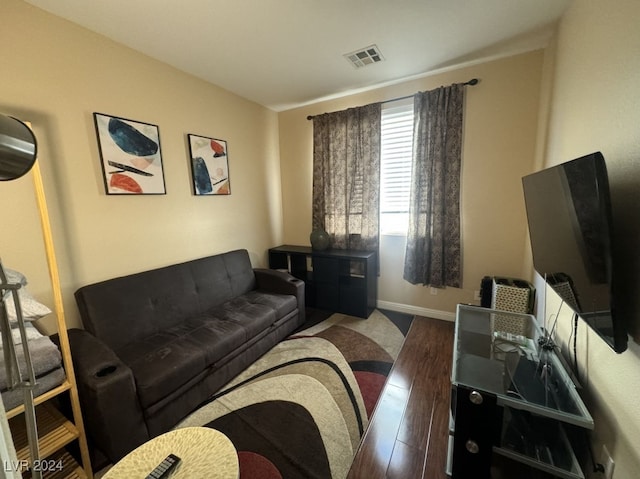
x=209 y=165
x=130 y=156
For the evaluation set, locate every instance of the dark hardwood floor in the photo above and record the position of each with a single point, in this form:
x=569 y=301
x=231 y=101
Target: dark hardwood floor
x=408 y=432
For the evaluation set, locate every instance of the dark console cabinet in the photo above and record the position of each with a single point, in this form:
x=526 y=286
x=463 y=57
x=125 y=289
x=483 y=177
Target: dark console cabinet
x=344 y=281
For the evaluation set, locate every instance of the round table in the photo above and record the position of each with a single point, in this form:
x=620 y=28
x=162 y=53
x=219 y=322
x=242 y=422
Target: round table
x=205 y=453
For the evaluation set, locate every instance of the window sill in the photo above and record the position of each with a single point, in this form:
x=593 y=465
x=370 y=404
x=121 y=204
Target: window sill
x=393 y=233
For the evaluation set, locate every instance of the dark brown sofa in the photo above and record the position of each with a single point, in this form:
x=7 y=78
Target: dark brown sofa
x=158 y=343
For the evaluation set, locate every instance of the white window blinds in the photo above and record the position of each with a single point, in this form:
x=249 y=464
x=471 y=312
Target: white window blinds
x=395 y=160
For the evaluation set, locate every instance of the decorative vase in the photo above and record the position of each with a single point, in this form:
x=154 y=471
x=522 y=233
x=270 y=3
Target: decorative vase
x=319 y=239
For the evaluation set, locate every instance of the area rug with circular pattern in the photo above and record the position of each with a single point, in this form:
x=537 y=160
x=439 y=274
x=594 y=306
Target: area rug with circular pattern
x=301 y=409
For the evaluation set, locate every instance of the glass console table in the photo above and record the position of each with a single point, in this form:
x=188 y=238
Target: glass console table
x=509 y=396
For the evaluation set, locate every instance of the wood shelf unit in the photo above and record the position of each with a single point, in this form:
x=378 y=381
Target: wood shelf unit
x=70 y=468
x=55 y=432
x=65 y=386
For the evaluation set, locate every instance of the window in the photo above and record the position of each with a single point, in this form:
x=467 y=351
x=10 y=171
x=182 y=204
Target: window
x=395 y=166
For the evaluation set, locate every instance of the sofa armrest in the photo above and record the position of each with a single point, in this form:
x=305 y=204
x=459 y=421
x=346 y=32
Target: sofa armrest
x=108 y=398
x=280 y=282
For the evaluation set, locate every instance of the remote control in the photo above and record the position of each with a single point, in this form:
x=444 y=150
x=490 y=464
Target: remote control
x=166 y=468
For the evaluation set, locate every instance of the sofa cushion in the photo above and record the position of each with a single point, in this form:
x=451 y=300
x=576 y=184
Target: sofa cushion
x=149 y=302
x=166 y=360
x=283 y=304
x=256 y=311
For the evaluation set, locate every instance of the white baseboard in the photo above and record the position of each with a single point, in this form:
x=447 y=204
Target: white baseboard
x=416 y=310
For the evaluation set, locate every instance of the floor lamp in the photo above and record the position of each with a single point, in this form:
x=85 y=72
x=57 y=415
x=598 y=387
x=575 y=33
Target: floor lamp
x=18 y=154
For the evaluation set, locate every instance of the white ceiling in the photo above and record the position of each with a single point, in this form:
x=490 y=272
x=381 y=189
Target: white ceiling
x=287 y=53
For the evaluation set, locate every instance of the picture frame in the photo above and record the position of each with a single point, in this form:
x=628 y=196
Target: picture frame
x=130 y=156
x=209 y=161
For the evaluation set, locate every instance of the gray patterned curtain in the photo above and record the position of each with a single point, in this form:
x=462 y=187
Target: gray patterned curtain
x=433 y=254
x=346 y=176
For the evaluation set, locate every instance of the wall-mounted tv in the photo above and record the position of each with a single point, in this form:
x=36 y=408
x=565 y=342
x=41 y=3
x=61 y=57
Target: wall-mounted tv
x=570 y=226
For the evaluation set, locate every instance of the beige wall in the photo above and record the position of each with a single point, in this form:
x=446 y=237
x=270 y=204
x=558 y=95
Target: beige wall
x=595 y=106
x=55 y=75
x=501 y=124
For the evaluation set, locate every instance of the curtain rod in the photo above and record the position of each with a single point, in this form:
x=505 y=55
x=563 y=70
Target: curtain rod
x=473 y=81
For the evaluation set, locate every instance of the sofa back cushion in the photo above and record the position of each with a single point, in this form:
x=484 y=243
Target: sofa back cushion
x=136 y=306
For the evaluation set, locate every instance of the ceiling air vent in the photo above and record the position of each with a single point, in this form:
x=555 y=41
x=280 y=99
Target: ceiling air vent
x=365 y=56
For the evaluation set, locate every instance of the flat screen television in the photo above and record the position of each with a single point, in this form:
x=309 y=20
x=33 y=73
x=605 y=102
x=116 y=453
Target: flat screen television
x=570 y=225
